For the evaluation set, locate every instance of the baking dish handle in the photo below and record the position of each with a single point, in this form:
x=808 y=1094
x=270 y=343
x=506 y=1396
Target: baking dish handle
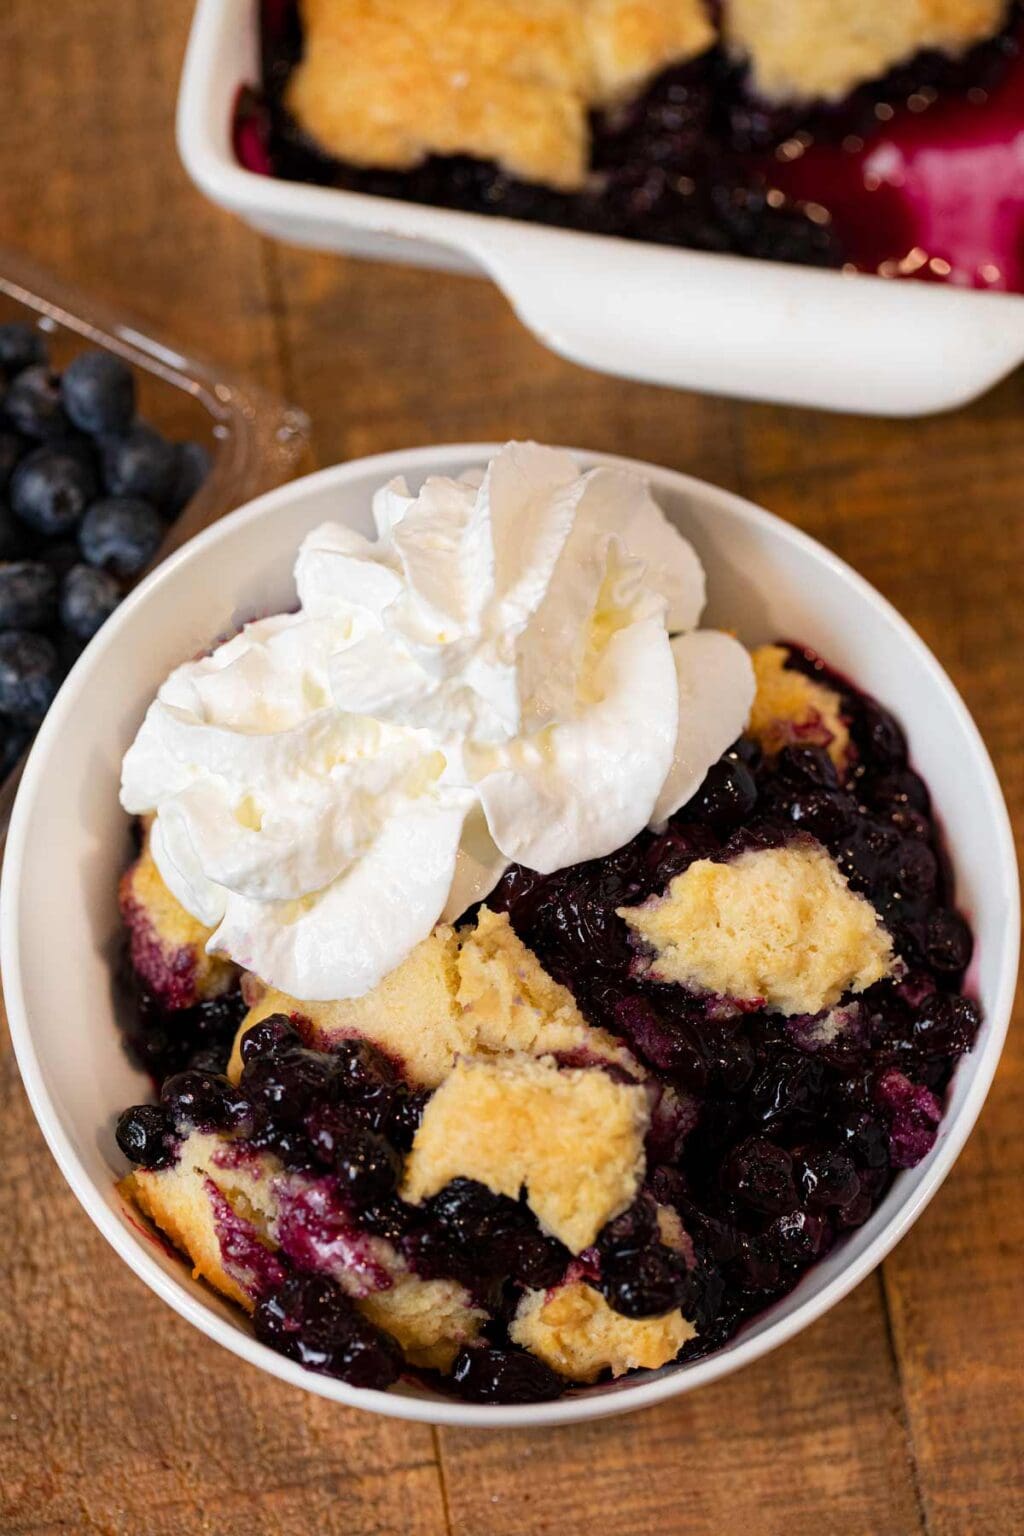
x=760 y=330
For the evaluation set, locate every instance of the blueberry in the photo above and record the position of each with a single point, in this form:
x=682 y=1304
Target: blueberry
x=51 y=489
x=948 y=941
x=286 y=1084
x=761 y=1175
x=33 y=403
x=367 y=1167
x=146 y=1136
x=652 y=1282
x=504 y=1376
x=798 y=1238
x=827 y=1178
x=14 y=538
x=823 y=813
x=538 y=1261
x=87 y=599
x=309 y=1319
x=28 y=595
x=20 y=347
x=208 y=1100
x=403 y=1121
x=727 y=796
x=120 y=534
x=274 y=1033
x=881 y=736
x=12 y=448
x=807 y=765
x=192 y=465
x=946 y=1025
x=98 y=391
x=29 y=674
x=140 y=463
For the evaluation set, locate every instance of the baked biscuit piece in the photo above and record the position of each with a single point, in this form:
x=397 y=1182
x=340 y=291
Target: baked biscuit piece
x=230 y=1209
x=808 y=49
x=478 y=992
x=574 y=1331
x=777 y=928
x=166 y=944
x=790 y=709
x=573 y=1138
x=388 y=82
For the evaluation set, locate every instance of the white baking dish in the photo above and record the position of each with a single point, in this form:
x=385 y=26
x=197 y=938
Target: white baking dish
x=723 y=324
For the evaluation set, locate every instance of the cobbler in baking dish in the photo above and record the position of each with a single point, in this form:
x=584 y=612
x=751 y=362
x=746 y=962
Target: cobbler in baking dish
x=535 y=984
x=878 y=137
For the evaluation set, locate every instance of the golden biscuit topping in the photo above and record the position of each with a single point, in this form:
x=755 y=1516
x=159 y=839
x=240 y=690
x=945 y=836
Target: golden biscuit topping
x=775 y=927
x=791 y=709
x=573 y=1138
x=388 y=82
x=807 y=49
x=574 y=1331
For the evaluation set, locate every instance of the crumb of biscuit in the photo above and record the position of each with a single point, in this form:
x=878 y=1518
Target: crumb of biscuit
x=573 y=1138
x=808 y=49
x=381 y=84
x=778 y=928
x=574 y=1331
x=481 y=992
x=792 y=709
x=167 y=944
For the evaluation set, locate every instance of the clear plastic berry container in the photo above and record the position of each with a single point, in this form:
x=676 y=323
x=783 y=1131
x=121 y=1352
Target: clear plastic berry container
x=256 y=441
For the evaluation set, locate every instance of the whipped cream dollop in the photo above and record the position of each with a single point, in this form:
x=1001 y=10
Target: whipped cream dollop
x=510 y=671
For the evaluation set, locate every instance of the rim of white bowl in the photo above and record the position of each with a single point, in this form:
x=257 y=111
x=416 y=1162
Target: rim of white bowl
x=642 y=1392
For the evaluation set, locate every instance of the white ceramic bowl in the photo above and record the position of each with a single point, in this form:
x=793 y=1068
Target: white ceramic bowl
x=69 y=841
x=723 y=324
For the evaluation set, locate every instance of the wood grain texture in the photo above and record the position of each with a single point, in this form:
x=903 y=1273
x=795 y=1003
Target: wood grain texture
x=898 y=1413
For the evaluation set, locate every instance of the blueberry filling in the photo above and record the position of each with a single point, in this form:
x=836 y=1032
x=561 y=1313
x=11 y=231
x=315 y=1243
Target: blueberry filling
x=770 y=1136
x=700 y=161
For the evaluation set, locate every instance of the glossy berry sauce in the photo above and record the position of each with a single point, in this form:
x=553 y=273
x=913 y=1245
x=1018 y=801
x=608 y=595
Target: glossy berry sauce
x=918 y=175
x=771 y=1137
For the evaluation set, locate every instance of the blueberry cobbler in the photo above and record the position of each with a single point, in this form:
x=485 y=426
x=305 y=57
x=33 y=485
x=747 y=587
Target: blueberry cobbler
x=882 y=136
x=535 y=983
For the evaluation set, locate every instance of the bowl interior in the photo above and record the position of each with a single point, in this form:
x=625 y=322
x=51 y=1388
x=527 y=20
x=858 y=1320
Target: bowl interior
x=69 y=842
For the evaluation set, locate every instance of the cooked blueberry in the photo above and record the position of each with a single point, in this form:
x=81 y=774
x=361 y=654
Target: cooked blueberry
x=807 y=765
x=761 y=1175
x=899 y=789
x=915 y=868
x=726 y=797
x=21 y=346
x=311 y=1320
x=140 y=463
x=826 y=814
x=192 y=465
x=285 y=1084
x=208 y=1100
x=29 y=674
x=913 y=1113
x=98 y=390
x=827 y=1178
x=538 y=1261
x=367 y=1166
x=469 y=1213
x=798 y=1238
x=120 y=534
x=946 y=1025
x=28 y=595
x=33 y=403
x=274 y=1033
x=948 y=941
x=51 y=489
x=652 y=1282
x=627 y=1234
x=403 y=1121
x=12 y=448
x=87 y=599
x=881 y=736
x=146 y=1136
x=503 y=1376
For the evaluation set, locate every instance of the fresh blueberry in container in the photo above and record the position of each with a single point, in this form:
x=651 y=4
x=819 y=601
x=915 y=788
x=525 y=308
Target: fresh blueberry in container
x=29 y=674
x=51 y=489
x=98 y=391
x=193 y=464
x=20 y=347
x=87 y=599
x=33 y=403
x=140 y=463
x=28 y=594
x=120 y=534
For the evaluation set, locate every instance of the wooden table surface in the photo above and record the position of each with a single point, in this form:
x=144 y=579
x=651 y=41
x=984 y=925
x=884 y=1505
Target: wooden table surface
x=902 y=1411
